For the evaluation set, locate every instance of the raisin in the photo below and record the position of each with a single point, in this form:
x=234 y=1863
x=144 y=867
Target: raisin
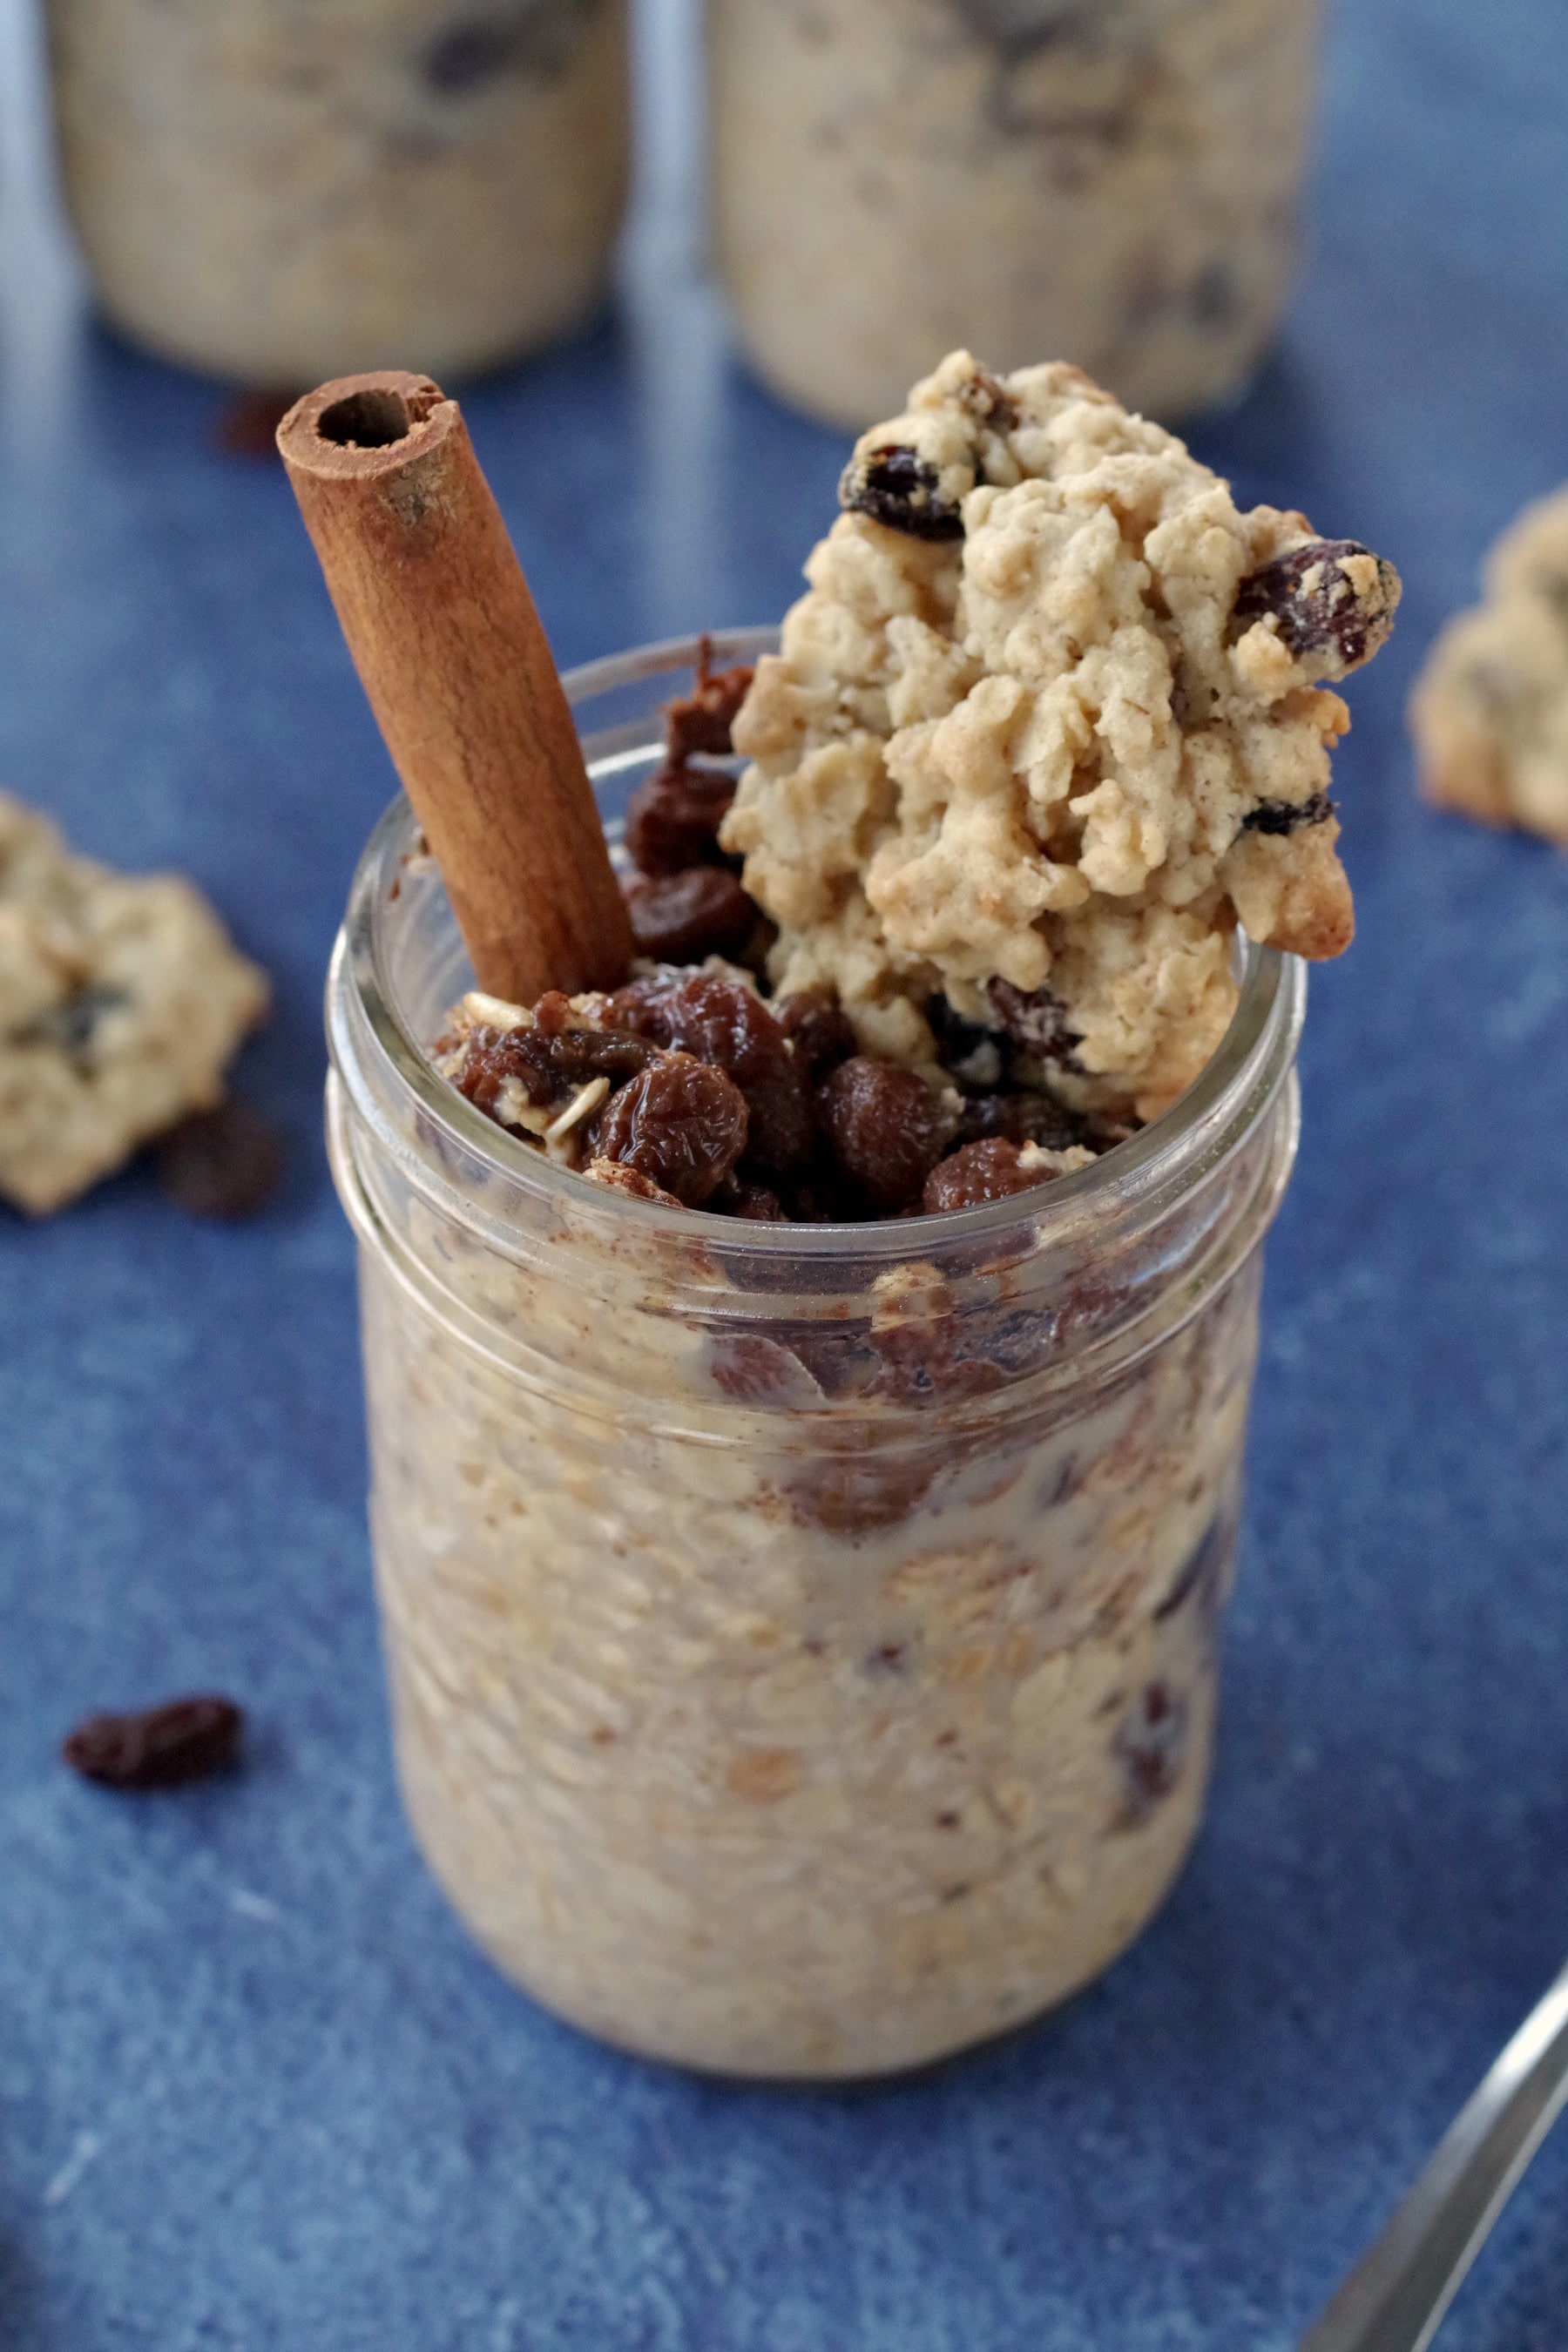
x=855 y=1495
x=703 y=719
x=682 y=917
x=578 y=1054
x=546 y=1061
x=1201 y=1576
x=1318 y=605
x=491 y=1056
x=817 y=1027
x=472 y=52
x=824 y=1198
x=1151 y=1746
x=71 y=1025
x=680 y=1122
x=751 y=1369
x=988 y=400
x=1036 y=1022
x=724 y=1022
x=464 y=57
x=553 y=1013
x=886 y=1128
x=757 y=1204
x=981 y=1171
x=972 y=1052
x=629 y=1006
x=1025 y=1118
x=183 y=1740
x=227 y=1162
x=924 y=1363
x=900 y=488
x=673 y=819
x=1088 y=1308
x=1288 y=816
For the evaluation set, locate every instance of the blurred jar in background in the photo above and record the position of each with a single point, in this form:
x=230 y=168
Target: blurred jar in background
x=281 y=190
x=1112 y=182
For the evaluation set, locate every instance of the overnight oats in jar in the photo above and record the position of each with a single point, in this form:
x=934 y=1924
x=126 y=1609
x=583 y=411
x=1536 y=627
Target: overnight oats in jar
x=1114 y=181
x=808 y=1368
x=803 y=1639
x=277 y=192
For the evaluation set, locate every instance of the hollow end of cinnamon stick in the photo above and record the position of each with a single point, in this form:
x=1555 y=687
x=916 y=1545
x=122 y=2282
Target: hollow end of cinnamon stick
x=454 y=660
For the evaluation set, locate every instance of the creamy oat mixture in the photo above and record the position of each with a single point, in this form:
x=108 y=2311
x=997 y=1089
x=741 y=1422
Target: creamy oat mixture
x=1053 y=718
x=1114 y=180
x=769 y=1728
x=1489 y=712
x=122 y=1002
x=284 y=193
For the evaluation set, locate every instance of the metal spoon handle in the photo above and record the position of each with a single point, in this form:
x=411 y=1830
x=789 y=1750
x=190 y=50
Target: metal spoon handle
x=1394 y=2299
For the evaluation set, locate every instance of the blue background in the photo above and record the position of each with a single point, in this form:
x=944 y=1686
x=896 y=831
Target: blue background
x=255 y=2087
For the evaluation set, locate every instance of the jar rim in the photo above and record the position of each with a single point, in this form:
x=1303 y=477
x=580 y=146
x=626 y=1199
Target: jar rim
x=1225 y=1101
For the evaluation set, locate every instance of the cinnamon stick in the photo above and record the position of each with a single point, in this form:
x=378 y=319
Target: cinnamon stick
x=453 y=658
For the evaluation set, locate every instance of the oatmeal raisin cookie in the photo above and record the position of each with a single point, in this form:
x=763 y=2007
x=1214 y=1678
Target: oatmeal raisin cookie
x=1054 y=718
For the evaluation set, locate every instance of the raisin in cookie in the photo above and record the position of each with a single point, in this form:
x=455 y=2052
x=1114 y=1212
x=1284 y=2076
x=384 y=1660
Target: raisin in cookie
x=1054 y=718
x=1489 y=712
x=120 y=1002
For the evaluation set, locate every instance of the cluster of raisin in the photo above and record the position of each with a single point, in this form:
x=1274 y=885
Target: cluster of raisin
x=687 y=901
x=764 y=1108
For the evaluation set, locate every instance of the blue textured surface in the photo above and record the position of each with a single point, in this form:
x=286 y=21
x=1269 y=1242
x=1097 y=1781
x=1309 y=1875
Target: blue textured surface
x=256 y=2088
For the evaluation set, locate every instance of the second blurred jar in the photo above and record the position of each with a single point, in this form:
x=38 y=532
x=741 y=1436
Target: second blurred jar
x=1111 y=182
x=285 y=190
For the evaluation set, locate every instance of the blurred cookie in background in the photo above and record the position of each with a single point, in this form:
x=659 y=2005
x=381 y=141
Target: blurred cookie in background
x=1490 y=711
x=122 y=1000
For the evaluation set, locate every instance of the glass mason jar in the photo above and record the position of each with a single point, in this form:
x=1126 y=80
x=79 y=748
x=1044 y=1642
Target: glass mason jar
x=1111 y=182
x=803 y=1640
x=280 y=194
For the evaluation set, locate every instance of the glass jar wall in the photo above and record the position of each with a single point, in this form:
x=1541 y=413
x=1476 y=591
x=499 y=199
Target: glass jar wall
x=803 y=1640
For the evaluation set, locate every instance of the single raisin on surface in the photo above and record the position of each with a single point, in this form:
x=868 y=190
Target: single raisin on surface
x=1035 y=1021
x=724 y=1022
x=1288 y=816
x=227 y=1162
x=680 y=1122
x=900 y=490
x=1318 y=604
x=702 y=719
x=682 y=917
x=991 y=1171
x=1025 y=1118
x=886 y=1128
x=673 y=819
x=817 y=1027
x=184 y=1740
